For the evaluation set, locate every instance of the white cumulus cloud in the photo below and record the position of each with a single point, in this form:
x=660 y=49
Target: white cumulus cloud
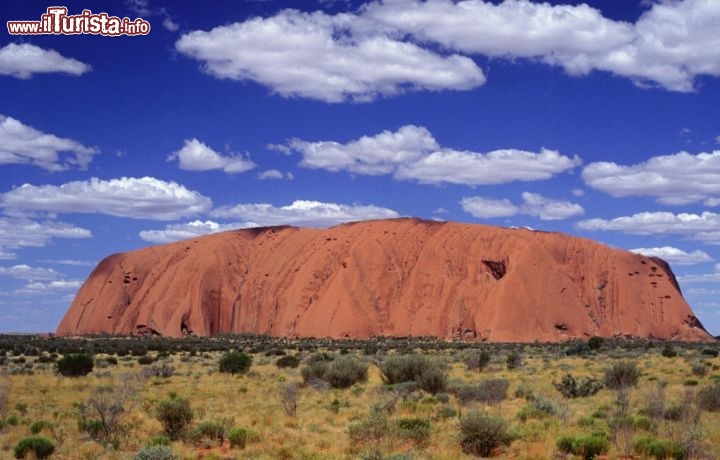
x=533 y=205
x=176 y=232
x=197 y=156
x=168 y=24
x=23 y=60
x=18 y=232
x=673 y=179
x=55 y=287
x=412 y=153
x=675 y=256
x=671 y=44
x=26 y=272
x=548 y=208
x=23 y=144
x=275 y=174
x=487 y=208
x=324 y=57
x=303 y=213
x=702 y=227
x=138 y=198
x=702 y=277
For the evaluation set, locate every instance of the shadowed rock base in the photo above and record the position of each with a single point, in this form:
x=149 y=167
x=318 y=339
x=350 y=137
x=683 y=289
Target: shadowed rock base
x=403 y=277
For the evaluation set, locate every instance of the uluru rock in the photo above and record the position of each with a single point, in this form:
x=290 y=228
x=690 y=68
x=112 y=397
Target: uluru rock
x=403 y=277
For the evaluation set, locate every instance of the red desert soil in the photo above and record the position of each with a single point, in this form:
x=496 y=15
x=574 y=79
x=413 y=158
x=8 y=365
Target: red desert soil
x=401 y=277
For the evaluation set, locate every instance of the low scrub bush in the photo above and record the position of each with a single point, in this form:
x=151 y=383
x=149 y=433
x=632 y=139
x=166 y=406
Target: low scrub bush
x=710 y=352
x=159 y=440
x=708 y=398
x=622 y=375
x=490 y=391
x=211 y=430
x=175 y=415
x=595 y=343
x=39 y=446
x=235 y=362
x=699 y=369
x=287 y=361
x=571 y=388
x=481 y=434
x=37 y=427
x=370 y=430
x=416 y=430
x=75 y=365
x=238 y=437
x=668 y=351
x=429 y=375
x=541 y=407
x=4 y=396
x=446 y=412
x=156 y=453
x=342 y=372
x=477 y=360
x=346 y=371
x=586 y=446
x=514 y=360
x=145 y=360
x=660 y=449
x=289 y=396
x=163 y=370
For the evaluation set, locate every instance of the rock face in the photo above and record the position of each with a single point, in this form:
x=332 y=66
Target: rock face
x=403 y=277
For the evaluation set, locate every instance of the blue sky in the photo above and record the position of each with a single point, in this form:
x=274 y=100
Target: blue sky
x=598 y=119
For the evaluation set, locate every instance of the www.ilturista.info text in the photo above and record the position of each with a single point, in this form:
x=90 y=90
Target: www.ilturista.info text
x=57 y=22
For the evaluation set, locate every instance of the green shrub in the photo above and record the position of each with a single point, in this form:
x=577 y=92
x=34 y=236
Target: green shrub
x=446 y=412
x=92 y=427
x=342 y=372
x=433 y=379
x=159 y=440
x=699 y=369
x=659 y=448
x=622 y=375
x=346 y=371
x=287 y=361
x=370 y=430
x=709 y=398
x=416 y=430
x=668 y=351
x=569 y=387
x=710 y=352
x=75 y=365
x=489 y=391
x=539 y=408
x=39 y=446
x=238 y=437
x=212 y=430
x=37 y=427
x=595 y=343
x=429 y=375
x=235 y=362
x=513 y=360
x=156 y=453
x=587 y=446
x=314 y=370
x=477 y=360
x=175 y=415
x=481 y=434
x=145 y=360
